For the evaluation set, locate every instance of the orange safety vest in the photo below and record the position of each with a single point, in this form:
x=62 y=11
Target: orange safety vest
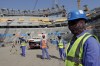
x=44 y=45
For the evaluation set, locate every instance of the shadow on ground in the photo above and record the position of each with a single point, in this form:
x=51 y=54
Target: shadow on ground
x=51 y=56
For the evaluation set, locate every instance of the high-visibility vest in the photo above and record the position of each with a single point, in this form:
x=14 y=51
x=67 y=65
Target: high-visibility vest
x=23 y=44
x=44 y=44
x=60 y=44
x=74 y=56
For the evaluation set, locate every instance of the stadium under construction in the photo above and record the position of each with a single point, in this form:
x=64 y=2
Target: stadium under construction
x=29 y=23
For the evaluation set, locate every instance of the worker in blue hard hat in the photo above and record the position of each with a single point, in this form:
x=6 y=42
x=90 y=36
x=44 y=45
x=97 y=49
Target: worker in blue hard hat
x=83 y=49
x=61 y=47
x=23 y=46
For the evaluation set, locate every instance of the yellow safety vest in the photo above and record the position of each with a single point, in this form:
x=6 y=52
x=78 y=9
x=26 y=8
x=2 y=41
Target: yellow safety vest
x=23 y=44
x=60 y=45
x=74 y=56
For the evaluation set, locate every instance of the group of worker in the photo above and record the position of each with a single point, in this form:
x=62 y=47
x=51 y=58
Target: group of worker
x=84 y=47
x=44 y=47
x=60 y=45
x=82 y=50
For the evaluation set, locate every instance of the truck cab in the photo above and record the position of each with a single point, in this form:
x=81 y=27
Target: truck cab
x=34 y=43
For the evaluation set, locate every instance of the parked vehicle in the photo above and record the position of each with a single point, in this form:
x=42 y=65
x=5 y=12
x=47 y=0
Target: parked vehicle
x=34 y=43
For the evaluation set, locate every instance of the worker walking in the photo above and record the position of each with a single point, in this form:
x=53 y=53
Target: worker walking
x=23 y=46
x=44 y=46
x=61 y=47
x=83 y=48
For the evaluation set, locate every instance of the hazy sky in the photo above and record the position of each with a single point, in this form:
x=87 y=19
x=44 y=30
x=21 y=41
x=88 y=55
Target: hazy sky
x=41 y=4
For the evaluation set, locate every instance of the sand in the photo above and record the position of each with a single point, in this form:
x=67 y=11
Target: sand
x=33 y=57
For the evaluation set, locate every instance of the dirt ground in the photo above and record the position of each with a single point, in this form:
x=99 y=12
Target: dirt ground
x=33 y=57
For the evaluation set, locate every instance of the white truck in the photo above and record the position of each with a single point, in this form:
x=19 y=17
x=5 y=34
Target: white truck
x=34 y=43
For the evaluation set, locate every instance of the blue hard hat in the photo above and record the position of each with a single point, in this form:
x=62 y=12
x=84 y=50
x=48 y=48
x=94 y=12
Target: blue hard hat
x=77 y=15
x=22 y=39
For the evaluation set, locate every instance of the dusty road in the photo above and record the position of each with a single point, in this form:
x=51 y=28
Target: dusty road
x=32 y=58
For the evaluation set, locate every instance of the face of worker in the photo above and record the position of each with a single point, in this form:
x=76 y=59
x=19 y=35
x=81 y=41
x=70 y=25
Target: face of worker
x=76 y=26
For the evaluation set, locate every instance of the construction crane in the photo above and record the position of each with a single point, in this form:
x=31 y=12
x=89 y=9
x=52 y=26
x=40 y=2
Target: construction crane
x=78 y=3
x=86 y=8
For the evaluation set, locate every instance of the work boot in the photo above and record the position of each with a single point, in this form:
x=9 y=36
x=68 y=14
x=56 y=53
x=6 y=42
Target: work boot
x=49 y=58
x=61 y=59
x=23 y=55
x=42 y=58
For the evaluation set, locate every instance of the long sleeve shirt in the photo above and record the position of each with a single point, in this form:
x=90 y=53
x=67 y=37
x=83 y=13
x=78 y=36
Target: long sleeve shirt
x=91 y=51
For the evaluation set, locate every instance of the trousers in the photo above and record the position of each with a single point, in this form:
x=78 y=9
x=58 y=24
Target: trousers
x=62 y=53
x=23 y=50
x=45 y=53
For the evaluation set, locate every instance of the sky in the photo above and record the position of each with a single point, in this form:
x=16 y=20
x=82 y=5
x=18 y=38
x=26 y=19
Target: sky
x=42 y=4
